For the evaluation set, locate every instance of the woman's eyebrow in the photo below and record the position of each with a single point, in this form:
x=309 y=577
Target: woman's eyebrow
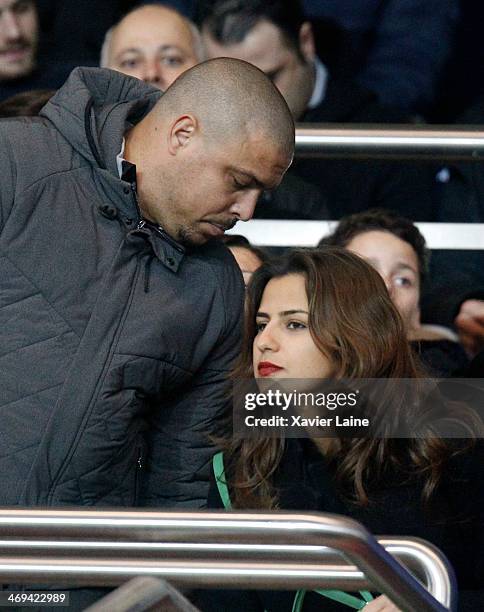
x=283 y=313
x=286 y=313
x=262 y=314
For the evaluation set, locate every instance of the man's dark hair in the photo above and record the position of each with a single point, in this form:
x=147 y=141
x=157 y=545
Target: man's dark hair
x=380 y=219
x=25 y=104
x=229 y=21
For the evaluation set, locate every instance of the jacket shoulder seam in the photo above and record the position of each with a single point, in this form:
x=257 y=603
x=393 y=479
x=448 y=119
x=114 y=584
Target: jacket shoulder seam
x=46 y=176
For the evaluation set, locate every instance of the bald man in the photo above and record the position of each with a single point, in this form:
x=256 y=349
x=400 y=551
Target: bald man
x=152 y=43
x=121 y=315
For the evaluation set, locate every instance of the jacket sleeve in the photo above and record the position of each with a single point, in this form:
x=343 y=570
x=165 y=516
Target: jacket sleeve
x=7 y=185
x=188 y=427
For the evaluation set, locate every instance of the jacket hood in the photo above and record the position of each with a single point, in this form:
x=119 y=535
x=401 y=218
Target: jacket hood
x=95 y=107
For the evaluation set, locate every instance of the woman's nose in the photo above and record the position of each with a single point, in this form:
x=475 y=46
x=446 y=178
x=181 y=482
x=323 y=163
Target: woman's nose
x=266 y=339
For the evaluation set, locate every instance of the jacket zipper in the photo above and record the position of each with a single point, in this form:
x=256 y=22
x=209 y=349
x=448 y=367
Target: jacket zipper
x=142 y=223
x=139 y=467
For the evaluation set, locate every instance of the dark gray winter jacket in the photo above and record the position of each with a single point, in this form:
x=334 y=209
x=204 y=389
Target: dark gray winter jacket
x=115 y=342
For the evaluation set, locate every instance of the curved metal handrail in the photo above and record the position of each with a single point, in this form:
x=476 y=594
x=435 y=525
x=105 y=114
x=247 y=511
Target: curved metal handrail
x=273 y=556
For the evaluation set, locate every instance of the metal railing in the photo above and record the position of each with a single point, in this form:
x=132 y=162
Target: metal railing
x=405 y=142
x=465 y=143
x=253 y=550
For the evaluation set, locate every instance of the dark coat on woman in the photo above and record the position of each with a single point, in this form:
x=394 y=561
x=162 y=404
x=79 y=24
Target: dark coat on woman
x=453 y=521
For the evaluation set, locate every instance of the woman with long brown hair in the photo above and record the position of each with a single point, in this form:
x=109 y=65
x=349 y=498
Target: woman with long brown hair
x=327 y=314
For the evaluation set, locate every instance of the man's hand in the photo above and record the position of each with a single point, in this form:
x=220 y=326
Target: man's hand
x=381 y=604
x=470 y=326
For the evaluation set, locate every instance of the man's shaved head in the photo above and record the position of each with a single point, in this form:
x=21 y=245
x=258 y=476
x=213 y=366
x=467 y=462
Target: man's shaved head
x=219 y=136
x=231 y=96
x=153 y=43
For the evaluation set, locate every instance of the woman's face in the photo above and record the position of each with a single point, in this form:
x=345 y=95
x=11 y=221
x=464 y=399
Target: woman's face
x=283 y=346
x=397 y=263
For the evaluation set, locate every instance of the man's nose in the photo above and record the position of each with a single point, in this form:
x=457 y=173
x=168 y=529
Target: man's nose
x=389 y=285
x=153 y=73
x=10 y=26
x=245 y=205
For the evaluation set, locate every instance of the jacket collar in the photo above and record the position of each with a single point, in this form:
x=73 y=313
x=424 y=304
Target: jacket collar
x=93 y=111
x=121 y=194
x=95 y=108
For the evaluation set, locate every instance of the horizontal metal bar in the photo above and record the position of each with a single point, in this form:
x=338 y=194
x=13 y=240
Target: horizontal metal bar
x=289 y=233
x=383 y=572
x=114 y=561
x=399 y=141
x=75 y=571
x=148 y=550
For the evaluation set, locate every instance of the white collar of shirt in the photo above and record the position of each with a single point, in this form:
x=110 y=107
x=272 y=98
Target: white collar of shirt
x=320 y=83
x=120 y=159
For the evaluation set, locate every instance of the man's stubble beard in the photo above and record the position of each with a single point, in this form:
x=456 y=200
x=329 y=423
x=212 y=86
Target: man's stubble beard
x=25 y=70
x=30 y=42
x=185 y=236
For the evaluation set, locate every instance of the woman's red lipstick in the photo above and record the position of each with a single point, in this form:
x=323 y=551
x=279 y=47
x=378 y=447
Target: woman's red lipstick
x=266 y=368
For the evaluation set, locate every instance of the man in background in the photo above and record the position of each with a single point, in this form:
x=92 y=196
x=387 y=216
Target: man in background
x=152 y=43
x=22 y=67
x=19 y=34
x=275 y=36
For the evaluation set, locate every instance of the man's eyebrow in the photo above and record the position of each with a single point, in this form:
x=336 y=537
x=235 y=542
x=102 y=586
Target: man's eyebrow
x=128 y=50
x=139 y=49
x=12 y=6
x=253 y=180
x=169 y=48
x=401 y=265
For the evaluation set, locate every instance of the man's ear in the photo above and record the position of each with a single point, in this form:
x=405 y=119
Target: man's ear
x=306 y=42
x=182 y=131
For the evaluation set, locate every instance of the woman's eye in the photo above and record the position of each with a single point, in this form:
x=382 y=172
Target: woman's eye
x=260 y=326
x=296 y=325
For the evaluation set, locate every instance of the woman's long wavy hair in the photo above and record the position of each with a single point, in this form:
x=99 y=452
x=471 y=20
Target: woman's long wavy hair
x=353 y=322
